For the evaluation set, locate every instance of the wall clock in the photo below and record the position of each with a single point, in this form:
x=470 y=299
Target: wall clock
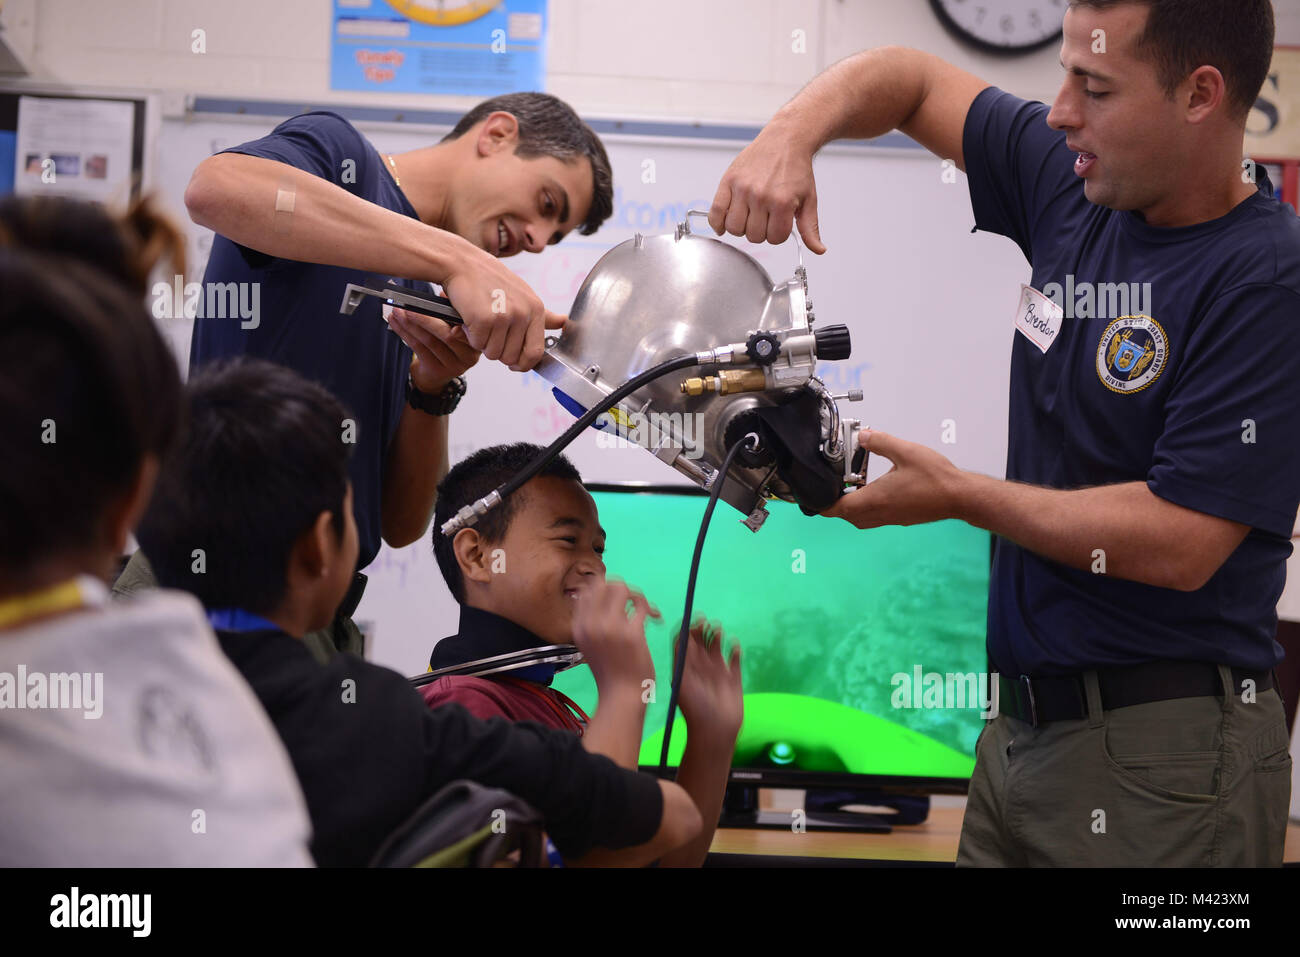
x=1003 y=26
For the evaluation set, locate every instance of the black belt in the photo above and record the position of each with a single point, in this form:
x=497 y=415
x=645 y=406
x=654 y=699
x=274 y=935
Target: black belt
x=1039 y=700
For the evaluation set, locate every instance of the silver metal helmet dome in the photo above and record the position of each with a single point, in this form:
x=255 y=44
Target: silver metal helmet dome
x=653 y=298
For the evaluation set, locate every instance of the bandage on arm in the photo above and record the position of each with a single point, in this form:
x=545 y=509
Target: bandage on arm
x=288 y=213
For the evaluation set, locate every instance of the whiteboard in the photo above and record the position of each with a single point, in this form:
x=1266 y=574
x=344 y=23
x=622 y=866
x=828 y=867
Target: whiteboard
x=929 y=304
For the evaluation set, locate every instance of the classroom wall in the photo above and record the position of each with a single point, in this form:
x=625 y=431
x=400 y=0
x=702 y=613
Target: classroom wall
x=721 y=60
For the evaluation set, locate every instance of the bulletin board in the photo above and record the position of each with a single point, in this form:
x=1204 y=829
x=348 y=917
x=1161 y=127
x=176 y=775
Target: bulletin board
x=76 y=142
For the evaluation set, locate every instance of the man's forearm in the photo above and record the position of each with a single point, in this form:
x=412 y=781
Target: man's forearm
x=286 y=212
x=862 y=96
x=417 y=462
x=1112 y=529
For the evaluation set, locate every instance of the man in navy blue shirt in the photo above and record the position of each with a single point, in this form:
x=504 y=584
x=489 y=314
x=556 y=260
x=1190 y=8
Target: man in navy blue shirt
x=1153 y=465
x=314 y=206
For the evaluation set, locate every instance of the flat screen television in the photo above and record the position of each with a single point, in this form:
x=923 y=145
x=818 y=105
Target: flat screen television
x=863 y=652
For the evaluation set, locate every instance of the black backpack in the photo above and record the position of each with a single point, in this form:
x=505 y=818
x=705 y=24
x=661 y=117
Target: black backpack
x=467 y=825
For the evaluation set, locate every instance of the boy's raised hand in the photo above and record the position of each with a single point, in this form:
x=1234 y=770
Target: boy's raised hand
x=711 y=702
x=609 y=630
x=711 y=696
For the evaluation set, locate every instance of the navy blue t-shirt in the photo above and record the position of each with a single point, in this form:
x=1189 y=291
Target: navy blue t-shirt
x=299 y=325
x=1196 y=392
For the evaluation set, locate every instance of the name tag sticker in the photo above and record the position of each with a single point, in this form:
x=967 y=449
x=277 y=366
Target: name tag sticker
x=1038 y=319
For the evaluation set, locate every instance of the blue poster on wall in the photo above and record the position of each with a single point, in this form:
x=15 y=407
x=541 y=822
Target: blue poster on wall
x=467 y=47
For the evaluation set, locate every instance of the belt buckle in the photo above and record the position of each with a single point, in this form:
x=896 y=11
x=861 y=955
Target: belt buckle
x=1028 y=694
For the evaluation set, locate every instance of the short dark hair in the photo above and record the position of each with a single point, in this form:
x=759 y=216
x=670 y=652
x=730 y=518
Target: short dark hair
x=471 y=479
x=88 y=389
x=262 y=456
x=1234 y=36
x=549 y=127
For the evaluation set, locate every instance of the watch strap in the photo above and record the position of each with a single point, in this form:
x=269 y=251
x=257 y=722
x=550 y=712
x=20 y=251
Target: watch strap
x=440 y=403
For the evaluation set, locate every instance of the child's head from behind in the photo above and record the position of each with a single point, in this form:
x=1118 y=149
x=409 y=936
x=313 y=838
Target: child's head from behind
x=128 y=245
x=528 y=558
x=253 y=508
x=90 y=398
x=89 y=392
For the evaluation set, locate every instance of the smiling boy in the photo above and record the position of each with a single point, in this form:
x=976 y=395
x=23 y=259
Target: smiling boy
x=531 y=573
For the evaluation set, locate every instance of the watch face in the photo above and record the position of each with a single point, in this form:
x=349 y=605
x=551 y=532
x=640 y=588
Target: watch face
x=1003 y=26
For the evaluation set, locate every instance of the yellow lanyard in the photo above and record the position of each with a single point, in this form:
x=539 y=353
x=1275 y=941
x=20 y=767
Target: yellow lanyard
x=74 y=593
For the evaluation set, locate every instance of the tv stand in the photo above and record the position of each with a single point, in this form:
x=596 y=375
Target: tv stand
x=823 y=811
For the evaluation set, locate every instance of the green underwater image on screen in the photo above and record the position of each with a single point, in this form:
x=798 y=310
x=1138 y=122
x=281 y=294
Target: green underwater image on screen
x=862 y=652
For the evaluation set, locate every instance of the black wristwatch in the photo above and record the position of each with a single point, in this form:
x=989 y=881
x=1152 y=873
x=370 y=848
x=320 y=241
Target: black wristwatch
x=441 y=403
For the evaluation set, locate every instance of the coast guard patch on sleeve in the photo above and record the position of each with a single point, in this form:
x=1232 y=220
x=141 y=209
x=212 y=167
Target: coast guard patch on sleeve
x=1132 y=353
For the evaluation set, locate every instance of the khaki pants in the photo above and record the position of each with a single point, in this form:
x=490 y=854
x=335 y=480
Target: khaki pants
x=1189 y=782
x=341 y=635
